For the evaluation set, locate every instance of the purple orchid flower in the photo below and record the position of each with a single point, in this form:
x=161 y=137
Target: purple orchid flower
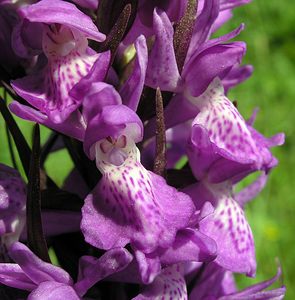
x=49 y=282
x=65 y=31
x=223 y=146
x=210 y=59
x=12 y=208
x=130 y=204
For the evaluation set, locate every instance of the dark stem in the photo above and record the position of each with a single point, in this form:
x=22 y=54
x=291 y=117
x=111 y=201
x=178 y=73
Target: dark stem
x=35 y=235
x=160 y=159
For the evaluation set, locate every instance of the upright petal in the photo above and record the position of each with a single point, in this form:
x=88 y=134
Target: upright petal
x=132 y=88
x=162 y=68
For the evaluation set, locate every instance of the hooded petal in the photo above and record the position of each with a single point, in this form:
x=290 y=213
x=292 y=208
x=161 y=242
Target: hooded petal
x=61 y=12
x=111 y=121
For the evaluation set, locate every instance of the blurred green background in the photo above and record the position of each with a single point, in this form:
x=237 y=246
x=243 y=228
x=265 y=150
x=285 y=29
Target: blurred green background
x=270 y=37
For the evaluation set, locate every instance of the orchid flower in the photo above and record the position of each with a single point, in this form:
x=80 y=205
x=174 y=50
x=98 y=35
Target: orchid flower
x=65 y=34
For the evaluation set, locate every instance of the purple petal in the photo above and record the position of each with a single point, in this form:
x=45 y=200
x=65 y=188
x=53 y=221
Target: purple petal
x=73 y=126
x=218 y=41
x=144 y=17
x=26 y=39
x=202 y=29
x=51 y=290
x=99 y=230
x=60 y=12
x=223 y=17
x=99 y=95
x=213 y=283
x=12 y=275
x=132 y=88
x=162 y=68
x=190 y=245
x=255 y=292
x=231 y=232
x=148 y=265
x=214 y=61
x=48 y=90
x=97 y=73
x=230 y=4
x=236 y=75
x=92 y=270
x=251 y=191
x=36 y=269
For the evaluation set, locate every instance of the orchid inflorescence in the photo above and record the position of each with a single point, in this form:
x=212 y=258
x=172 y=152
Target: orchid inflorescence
x=136 y=91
